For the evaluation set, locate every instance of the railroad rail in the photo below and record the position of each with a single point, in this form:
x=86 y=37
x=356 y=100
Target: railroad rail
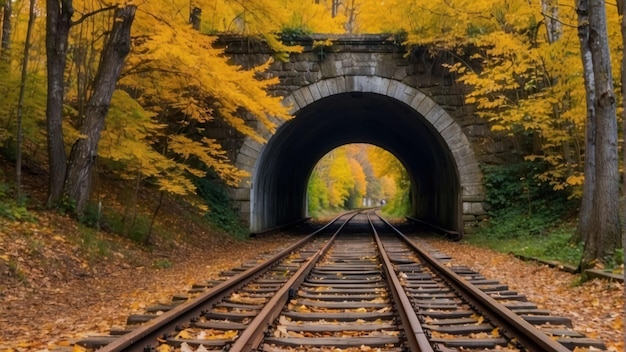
x=357 y=284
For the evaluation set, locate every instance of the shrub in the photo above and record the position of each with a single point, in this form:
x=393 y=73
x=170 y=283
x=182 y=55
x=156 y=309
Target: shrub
x=221 y=212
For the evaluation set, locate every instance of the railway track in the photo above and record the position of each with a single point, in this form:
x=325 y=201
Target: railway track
x=357 y=284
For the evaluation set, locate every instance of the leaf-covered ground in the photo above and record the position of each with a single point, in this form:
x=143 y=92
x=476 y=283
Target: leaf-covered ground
x=50 y=294
x=595 y=307
x=59 y=296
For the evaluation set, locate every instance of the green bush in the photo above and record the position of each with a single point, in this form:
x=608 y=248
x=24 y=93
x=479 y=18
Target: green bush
x=10 y=208
x=526 y=215
x=221 y=212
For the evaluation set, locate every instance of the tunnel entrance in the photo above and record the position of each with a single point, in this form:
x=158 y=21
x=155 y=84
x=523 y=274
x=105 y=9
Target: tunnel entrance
x=446 y=182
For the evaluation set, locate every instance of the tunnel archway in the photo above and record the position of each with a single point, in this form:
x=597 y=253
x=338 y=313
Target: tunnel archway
x=363 y=109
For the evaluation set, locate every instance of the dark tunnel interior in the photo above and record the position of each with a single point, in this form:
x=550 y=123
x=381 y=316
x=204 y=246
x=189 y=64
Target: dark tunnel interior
x=280 y=183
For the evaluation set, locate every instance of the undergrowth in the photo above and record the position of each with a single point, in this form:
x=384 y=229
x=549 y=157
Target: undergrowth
x=527 y=217
x=221 y=211
x=11 y=208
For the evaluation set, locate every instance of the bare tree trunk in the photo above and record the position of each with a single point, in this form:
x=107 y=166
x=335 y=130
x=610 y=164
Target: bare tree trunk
x=85 y=150
x=604 y=231
x=20 y=102
x=148 y=238
x=195 y=18
x=621 y=6
x=334 y=8
x=7 y=11
x=58 y=23
x=550 y=10
x=590 y=134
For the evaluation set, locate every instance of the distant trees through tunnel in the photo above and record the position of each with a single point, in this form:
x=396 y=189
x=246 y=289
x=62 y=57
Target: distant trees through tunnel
x=357 y=176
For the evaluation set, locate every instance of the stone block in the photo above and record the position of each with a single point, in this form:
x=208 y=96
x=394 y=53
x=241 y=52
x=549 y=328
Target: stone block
x=308 y=96
x=312 y=77
x=244 y=206
x=300 y=80
x=299 y=98
x=315 y=92
x=383 y=86
x=449 y=131
x=400 y=91
x=469 y=218
x=337 y=85
x=439 y=118
x=247 y=150
x=291 y=102
x=391 y=89
x=355 y=71
x=246 y=161
x=239 y=194
x=417 y=100
x=425 y=105
x=471 y=190
x=469 y=168
x=400 y=73
x=322 y=86
x=331 y=68
x=409 y=94
x=302 y=66
x=477 y=209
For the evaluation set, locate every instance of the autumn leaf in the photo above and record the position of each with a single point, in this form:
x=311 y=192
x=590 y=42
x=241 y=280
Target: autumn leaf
x=184 y=334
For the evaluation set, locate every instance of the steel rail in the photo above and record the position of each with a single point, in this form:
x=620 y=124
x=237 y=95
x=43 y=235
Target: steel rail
x=138 y=339
x=252 y=336
x=416 y=338
x=511 y=324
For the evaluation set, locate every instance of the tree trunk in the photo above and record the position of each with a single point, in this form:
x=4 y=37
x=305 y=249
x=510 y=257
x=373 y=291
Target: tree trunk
x=7 y=11
x=590 y=134
x=85 y=150
x=148 y=238
x=621 y=4
x=195 y=18
x=604 y=232
x=550 y=10
x=20 y=103
x=58 y=22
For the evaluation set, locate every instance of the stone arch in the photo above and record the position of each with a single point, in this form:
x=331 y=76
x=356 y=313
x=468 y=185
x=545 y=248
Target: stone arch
x=463 y=165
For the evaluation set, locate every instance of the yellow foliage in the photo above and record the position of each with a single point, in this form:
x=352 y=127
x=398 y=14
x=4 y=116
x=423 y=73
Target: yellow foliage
x=526 y=87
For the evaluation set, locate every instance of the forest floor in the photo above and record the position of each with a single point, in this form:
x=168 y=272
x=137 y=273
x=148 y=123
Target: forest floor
x=60 y=282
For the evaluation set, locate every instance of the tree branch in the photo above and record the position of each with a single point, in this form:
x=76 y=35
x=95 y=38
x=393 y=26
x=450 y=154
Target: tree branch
x=83 y=18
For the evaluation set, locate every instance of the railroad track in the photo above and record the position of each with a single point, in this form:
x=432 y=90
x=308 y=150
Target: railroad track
x=357 y=284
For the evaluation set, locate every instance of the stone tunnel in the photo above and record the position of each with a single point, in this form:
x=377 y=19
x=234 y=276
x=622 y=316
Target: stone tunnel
x=364 y=90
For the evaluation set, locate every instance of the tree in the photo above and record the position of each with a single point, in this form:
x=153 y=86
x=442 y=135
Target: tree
x=586 y=207
x=5 y=46
x=58 y=23
x=85 y=150
x=20 y=104
x=174 y=74
x=604 y=231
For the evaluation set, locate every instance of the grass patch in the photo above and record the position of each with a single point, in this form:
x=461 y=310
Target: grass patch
x=95 y=247
x=549 y=244
x=162 y=263
x=12 y=209
x=526 y=216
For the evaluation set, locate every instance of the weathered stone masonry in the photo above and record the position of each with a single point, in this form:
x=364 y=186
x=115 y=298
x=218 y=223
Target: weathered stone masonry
x=375 y=64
